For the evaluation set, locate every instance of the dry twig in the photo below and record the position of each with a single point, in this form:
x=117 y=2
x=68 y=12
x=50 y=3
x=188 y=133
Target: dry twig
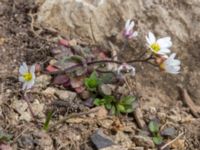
x=189 y=102
x=169 y=143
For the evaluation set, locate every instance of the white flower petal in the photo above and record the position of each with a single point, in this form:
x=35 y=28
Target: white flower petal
x=172 y=56
x=164 y=51
x=23 y=68
x=21 y=79
x=120 y=69
x=134 y=34
x=33 y=76
x=30 y=84
x=164 y=42
x=166 y=45
x=32 y=69
x=127 y=24
x=172 y=65
x=24 y=86
x=176 y=62
x=148 y=41
x=152 y=37
x=131 y=26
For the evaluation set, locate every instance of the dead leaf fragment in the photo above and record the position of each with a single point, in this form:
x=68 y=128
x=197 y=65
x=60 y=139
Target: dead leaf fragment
x=189 y=102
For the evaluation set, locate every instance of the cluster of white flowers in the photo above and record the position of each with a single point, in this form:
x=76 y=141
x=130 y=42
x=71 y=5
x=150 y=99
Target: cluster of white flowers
x=159 y=48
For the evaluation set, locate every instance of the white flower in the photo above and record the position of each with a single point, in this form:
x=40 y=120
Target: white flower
x=125 y=68
x=27 y=76
x=160 y=46
x=128 y=30
x=171 y=65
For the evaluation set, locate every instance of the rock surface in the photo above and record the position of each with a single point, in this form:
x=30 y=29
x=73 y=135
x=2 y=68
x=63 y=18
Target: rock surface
x=108 y=16
x=105 y=19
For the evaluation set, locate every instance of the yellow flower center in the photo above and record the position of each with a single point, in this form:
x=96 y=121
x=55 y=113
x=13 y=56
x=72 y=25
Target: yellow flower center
x=155 y=47
x=27 y=76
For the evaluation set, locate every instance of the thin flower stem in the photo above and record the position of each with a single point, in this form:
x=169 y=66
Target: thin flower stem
x=141 y=60
x=140 y=56
x=26 y=98
x=124 y=45
x=101 y=62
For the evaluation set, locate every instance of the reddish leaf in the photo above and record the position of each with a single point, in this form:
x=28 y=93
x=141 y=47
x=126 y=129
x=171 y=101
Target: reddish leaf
x=79 y=89
x=66 y=85
x=63 y=42
x=61 y=80
x=51 y=68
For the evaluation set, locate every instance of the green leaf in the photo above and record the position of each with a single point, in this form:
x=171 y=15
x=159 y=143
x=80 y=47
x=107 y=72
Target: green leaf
x=128 y=109
x=153 y=127
x=48 y=118
x=108 y=105
x=157 y=139
x=99 y=102
x=109 y=99
x=94 y=75
x=120 y=108
x=128 y=100
x=92 y=82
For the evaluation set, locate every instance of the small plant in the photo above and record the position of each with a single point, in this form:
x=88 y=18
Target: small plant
x=154 y=129
x=47 y=121
x=116 y=106
x=77 y=60
x=92 y=82
x=125 y=105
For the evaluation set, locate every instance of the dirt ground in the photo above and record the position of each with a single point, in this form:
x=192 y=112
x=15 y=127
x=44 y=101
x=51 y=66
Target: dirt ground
x=160 y=95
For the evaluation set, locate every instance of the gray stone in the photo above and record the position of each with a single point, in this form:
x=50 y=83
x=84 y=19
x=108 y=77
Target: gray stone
x=143 y=141
x=100 y=140
x=66 y=95
x=105 y=89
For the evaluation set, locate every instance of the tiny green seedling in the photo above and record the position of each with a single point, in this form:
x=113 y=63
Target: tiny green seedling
x=154 y=129
x=92 y=82
x=125 y=105
x=47 y=121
